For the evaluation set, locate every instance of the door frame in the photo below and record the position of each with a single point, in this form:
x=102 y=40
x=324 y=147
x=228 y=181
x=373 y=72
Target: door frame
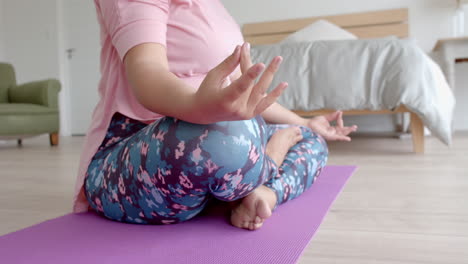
x=64 y=66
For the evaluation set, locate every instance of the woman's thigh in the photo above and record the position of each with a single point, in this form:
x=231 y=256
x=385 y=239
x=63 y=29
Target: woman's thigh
x=167 y=171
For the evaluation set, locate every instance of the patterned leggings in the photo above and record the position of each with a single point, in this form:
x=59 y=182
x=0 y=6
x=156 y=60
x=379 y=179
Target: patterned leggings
x=167 y=171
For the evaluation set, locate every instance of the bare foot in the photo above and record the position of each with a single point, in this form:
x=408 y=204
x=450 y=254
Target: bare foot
x=280 y=143
x=254 y=209
x=257 y=206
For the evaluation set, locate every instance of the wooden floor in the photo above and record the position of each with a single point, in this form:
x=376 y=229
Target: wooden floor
x=397 y=208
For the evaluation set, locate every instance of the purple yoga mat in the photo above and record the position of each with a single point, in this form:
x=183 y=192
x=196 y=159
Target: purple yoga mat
x=209 y=238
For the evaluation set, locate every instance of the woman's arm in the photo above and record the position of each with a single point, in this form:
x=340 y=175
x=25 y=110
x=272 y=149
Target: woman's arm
x=278 y=114
x=154 y=86
x=160 y=91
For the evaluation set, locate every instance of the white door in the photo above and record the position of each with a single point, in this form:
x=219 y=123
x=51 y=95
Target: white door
x=83 y=47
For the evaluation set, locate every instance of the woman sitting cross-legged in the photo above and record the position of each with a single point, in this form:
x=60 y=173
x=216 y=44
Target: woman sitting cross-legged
x=183 y=118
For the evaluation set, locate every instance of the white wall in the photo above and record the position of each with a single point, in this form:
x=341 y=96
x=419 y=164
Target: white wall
x=2 y=34
x=429 y=21
x=465 y=9
x=31 y=38
x=82 y=68
x=462 y=88
x=461 y=95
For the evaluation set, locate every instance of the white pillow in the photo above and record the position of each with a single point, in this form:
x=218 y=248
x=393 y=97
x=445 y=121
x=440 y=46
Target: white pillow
x=319 y=30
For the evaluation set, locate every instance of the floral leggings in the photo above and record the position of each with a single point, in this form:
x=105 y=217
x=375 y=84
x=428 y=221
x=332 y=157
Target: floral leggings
x=167 y=171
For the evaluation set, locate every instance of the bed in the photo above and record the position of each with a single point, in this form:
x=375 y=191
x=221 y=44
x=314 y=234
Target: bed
x=366 y=25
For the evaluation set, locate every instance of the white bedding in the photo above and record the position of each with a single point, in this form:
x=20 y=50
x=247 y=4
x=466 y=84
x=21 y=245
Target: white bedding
x=363 y=74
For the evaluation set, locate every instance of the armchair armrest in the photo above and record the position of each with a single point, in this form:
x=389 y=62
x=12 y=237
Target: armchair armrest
x=40 y=92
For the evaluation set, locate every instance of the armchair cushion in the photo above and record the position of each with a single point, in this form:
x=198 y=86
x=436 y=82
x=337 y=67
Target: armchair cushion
x=43 y=93
x=25 y=109
x=27 y=119
x=7 y=80
x=3 y=95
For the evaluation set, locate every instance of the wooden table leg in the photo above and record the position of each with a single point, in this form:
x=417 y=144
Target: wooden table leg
x=54 y=139
x=417 y=131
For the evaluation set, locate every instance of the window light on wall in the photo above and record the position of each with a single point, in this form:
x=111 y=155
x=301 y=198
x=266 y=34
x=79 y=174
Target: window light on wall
x=459 y=18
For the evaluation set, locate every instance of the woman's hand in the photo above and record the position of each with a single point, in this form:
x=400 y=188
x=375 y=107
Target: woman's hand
x=322 y=126
x=319 y=124
x=242 y=99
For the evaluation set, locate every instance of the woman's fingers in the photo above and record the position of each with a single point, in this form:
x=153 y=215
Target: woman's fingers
x=244 y=83
x=339 y=120
x=332 y=116
x=270 y=98
x=346 y=130
x=341 y=138
x=352 y=128
x=246 y=61
x=225 y=68
x=244 y=95
x=261 y=87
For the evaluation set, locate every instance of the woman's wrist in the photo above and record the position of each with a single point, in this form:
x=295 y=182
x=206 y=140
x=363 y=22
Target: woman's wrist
x=303 y=121
x=195 y=111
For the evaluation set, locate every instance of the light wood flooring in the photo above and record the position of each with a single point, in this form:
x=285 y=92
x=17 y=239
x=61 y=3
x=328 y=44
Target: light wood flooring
x=398 y=207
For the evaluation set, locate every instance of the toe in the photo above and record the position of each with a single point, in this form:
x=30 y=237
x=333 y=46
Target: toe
x=263 y=210
x=254 y=226
x=258 y=220
x=257 y=226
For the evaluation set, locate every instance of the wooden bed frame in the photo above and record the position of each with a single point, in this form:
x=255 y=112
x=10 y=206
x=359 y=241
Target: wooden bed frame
x=364 y=25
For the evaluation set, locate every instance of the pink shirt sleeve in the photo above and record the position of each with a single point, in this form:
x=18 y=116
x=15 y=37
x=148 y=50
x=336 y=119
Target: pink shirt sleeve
x=133 y=22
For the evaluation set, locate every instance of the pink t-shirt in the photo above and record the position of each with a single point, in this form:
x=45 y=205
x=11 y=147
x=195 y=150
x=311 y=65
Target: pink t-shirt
x=198 y=35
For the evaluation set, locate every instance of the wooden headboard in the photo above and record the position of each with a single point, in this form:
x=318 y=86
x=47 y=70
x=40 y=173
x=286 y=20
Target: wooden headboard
x=364 y=25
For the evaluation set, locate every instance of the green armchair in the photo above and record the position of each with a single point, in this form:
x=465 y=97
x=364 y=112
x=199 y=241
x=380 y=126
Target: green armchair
x=28 y=109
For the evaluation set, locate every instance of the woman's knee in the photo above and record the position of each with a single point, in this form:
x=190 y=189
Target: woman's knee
x=241 y=158
x=315 y=143
x=219 y=132
x=230 y=154
x=231 y=145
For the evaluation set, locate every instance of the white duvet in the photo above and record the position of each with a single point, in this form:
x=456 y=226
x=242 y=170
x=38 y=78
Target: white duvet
x=363 y=74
